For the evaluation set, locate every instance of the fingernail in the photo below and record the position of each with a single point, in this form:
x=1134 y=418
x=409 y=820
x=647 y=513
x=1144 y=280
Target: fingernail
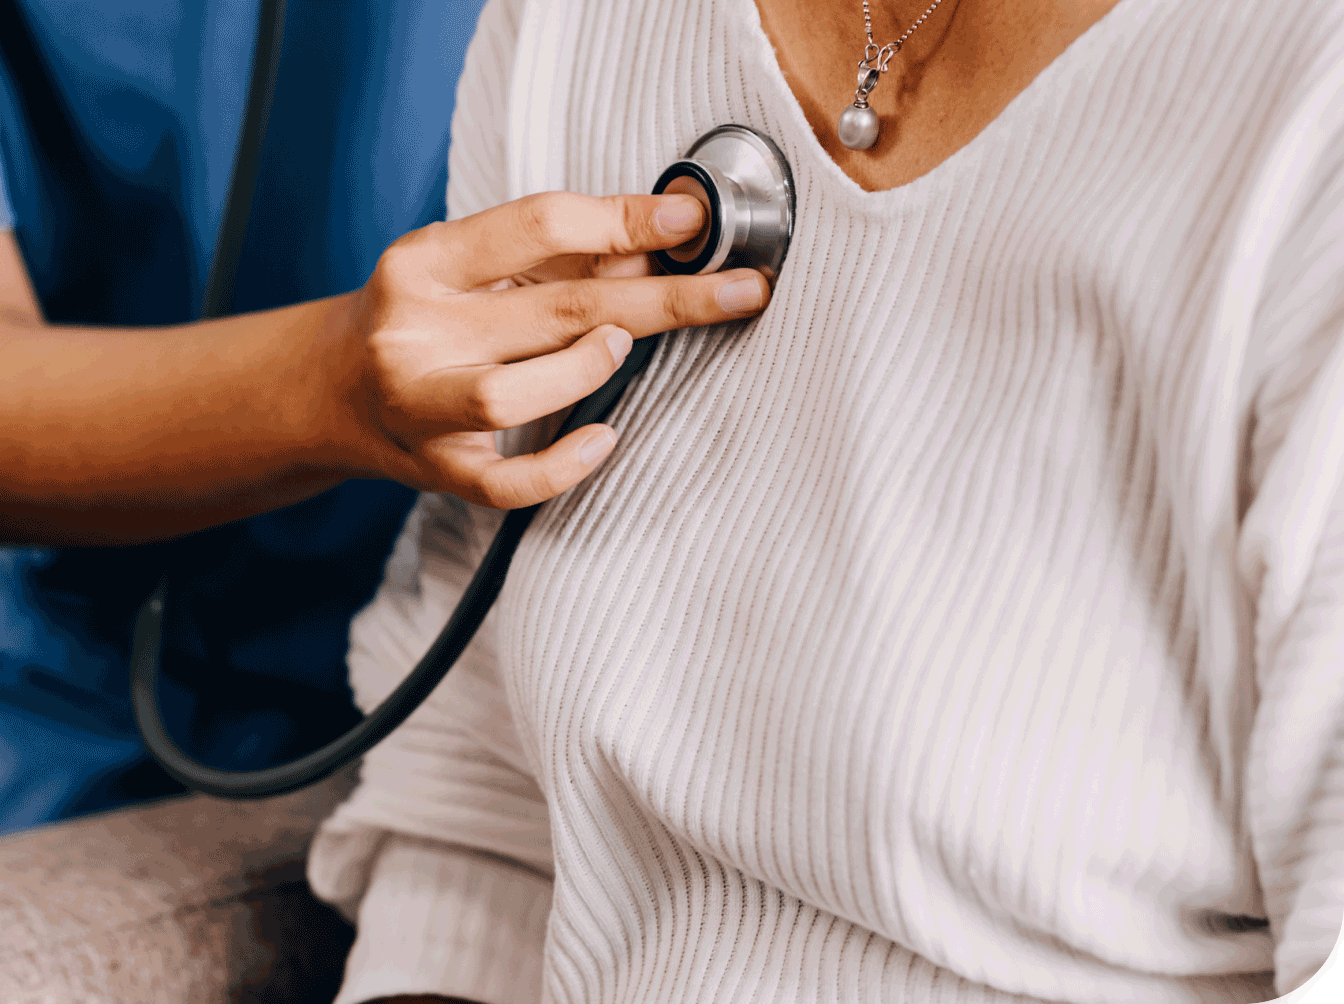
x=682 y=216
x=618 y=344
x=597 y=446
x=741 y=295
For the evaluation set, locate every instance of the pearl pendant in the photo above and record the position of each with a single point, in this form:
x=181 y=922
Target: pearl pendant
x=858 y=127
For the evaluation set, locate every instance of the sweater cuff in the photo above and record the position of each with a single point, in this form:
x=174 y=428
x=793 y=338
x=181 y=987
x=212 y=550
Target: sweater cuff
x=438 y=919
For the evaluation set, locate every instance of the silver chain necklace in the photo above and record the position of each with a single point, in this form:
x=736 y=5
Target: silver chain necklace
x=858 y=125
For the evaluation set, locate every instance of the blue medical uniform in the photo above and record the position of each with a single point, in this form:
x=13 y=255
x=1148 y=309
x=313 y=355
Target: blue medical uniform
x=118 y=126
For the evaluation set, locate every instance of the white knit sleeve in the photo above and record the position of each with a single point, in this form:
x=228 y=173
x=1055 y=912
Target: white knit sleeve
x=1292 y=549
x=442 y=854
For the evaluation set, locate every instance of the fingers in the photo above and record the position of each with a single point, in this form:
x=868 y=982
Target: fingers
x=505 y=396
x=481 y=475
x=545 y=384
x=519 y=235
x=619 y=266
x=587 y=266
x=490 y=397
x=525 y=322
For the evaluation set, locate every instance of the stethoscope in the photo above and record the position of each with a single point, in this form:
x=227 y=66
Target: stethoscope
x=746 y=187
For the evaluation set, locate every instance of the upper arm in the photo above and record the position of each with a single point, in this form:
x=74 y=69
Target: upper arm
x=1292 y=557
x=1296 y=771
x=17 y=298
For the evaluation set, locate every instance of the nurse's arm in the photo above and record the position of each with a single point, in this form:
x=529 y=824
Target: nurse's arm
x=123 y=435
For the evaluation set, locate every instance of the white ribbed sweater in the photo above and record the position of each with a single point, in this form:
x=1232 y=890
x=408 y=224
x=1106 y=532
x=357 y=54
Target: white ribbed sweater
x=971 y=624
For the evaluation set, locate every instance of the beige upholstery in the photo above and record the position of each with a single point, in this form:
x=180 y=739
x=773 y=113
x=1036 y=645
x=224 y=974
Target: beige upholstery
x=192 y=899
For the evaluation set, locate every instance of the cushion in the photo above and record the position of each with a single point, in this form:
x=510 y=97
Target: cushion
x=191 y=899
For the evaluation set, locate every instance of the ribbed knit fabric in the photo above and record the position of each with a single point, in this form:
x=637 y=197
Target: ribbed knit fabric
x=967 y=629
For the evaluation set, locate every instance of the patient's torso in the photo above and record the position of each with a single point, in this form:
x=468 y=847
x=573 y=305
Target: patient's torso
x=878 y=619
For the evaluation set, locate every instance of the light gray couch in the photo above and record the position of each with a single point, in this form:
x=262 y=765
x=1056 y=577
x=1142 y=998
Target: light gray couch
x=190 y=900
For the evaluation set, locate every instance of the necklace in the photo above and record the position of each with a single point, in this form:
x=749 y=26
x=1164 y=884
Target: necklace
x=858 y=125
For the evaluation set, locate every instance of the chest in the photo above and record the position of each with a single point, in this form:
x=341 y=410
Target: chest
x=898 y=555
x=841 y=569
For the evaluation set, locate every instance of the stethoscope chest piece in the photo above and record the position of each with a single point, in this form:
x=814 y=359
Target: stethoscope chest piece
x=746 y=187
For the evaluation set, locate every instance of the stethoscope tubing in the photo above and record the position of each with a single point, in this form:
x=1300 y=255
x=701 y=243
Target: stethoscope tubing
x=219 y=284
x=456 y=635
x=147 y=638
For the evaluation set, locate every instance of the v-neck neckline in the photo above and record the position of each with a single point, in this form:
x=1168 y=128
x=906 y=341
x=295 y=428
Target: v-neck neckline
x=997 y=137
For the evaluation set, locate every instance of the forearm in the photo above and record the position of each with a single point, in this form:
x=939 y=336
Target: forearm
x=117 y=436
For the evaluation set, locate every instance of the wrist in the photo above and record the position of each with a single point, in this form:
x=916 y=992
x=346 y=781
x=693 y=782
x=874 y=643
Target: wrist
x=330 y=431
x=342 y=435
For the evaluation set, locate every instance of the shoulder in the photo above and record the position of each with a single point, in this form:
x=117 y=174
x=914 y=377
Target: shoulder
x=477 y=161
x=516 y=78
x=498 y=29
x=489 y=59
x=501 y=17
x=1294 y=42
x=1225 y=49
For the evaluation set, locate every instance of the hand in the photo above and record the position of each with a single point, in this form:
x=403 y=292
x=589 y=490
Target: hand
x=116 y=436
x=504 y=317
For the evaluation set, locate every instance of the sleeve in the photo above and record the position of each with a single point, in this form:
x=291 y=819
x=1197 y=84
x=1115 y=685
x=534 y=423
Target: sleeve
x=6 y=210
x=442 y=855
x=1292 y=556
x=8 y=133
x=477 y=161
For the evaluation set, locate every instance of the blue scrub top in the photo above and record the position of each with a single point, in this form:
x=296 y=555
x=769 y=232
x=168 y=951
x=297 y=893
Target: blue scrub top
x=118 y=127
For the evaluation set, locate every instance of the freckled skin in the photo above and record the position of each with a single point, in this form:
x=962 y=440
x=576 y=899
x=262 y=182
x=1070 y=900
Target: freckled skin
x=953 y=77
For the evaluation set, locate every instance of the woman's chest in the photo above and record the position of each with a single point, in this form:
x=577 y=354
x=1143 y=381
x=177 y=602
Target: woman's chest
x=916 y=582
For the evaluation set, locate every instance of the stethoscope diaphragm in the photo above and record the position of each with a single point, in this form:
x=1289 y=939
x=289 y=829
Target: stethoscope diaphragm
x=746 y=187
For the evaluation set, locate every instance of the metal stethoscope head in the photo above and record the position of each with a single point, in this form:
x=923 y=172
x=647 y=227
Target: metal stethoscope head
x=746 y=187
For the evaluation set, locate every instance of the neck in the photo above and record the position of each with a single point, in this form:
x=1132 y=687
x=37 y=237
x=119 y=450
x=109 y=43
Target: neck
x=952 y=77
